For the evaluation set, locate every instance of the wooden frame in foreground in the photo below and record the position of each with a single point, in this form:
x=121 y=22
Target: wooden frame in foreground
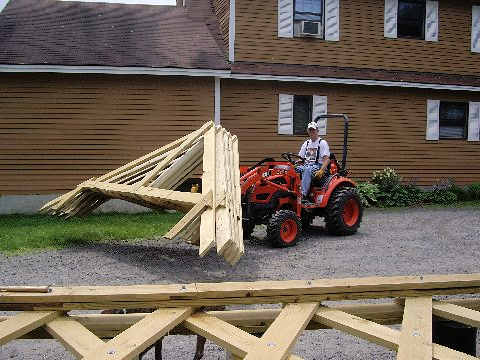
x=179 y=310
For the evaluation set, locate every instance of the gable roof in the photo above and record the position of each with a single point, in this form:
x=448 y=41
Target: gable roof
x=70 y=33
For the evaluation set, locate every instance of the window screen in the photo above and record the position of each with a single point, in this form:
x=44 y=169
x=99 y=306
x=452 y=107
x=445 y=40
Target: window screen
x=309 y=10
x=411 y=19
x=302 y=113
x=453 y=120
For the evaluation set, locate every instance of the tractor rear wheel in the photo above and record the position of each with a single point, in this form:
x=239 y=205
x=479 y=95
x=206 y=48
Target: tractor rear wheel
x=344 y=212
x=284 y=228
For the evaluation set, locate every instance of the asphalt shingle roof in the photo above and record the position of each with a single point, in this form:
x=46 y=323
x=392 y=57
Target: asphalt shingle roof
x=50 y=32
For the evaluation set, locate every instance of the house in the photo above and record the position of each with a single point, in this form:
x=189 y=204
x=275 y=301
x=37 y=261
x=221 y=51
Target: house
x=86 y=87
x=405 y=71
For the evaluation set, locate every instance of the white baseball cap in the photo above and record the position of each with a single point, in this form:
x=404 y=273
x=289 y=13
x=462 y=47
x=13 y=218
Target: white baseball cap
x=312 y=125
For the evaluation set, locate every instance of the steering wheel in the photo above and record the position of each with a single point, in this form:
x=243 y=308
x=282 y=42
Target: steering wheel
x=288 y=156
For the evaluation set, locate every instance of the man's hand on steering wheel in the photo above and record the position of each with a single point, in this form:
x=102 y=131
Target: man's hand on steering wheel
x=289 y=157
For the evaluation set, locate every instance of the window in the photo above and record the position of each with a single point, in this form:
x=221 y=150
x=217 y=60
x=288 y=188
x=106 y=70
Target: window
x=296 y=111
x=302 y=113
x=411 y=19
x=308 y=18
x=453 y=120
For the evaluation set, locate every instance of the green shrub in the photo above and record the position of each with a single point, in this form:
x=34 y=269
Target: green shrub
x=386 y=179
x=368 y=193
x=438 y=196
x=473 y=191
x=461 y=193
x=399 y=195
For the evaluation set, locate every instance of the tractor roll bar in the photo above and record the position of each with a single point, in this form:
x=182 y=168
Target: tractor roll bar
x=345 y=134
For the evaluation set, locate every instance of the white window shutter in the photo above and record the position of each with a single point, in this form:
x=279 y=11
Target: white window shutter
x=285 y=18
x=476 y=29
x=431 y=21
x=390 y=21
x=332 y=20
x=285 y=114
x=433 y=121
x=320 y=108
x=474 y=121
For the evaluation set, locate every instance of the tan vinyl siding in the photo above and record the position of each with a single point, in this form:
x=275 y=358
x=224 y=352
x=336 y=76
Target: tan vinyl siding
x=58 y=130
x=362 y=43
x=222 y=11
x=387 y=129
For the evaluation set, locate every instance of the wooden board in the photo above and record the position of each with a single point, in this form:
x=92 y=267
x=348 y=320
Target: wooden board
x=416 y=337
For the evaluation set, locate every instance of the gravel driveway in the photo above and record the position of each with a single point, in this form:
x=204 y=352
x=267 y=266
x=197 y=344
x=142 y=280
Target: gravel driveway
x=389 y=242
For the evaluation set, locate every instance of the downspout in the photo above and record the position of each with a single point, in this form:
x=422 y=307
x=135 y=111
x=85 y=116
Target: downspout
x=231 y=33
x=217 y=101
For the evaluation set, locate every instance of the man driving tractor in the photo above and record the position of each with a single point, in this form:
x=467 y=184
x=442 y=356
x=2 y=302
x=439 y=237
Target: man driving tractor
x=316 y=153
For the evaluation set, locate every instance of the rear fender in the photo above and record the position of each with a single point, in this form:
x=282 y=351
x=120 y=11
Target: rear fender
x=334 y=184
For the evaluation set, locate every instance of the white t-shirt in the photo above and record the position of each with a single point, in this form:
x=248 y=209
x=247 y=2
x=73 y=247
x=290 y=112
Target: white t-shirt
x=314 y=151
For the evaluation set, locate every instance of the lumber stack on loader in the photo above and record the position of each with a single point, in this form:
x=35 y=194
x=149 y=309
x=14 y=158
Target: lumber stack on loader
x=246 y=334
x=213 y=218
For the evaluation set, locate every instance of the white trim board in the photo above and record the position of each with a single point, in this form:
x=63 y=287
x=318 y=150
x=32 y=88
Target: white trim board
x=112 y=70
x=223 y=74
x=3 y=3
x=354 y=82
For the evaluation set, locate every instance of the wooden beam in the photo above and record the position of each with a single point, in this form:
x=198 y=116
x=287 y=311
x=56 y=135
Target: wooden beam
x=143 y=159
x=223 y=225
x=457 y=313
x=231 y=338
x=207 y=226
x=27 y=289
x=281 y=336
x=180 y=167
x=188 y=219
x=238 y=194
x=416 y=336
x=23 y=323
x=74 y=336
x=158 y=197
x=137 y=338
x=205 y=294
x=237 y=341
x=354 y=325
x=178 y=150
x=378 y=334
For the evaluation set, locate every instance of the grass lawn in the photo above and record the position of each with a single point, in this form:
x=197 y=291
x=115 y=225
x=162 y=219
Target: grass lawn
x=21 y=233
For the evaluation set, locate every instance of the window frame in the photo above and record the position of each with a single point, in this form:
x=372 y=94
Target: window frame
x=424 y=19
x=298 y=23
x=309 y=117
x=466 y=120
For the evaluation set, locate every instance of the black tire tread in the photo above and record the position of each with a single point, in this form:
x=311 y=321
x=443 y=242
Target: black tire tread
x=334 y=216
x=275 y=224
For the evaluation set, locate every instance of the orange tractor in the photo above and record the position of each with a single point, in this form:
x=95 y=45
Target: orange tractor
x=271 y=195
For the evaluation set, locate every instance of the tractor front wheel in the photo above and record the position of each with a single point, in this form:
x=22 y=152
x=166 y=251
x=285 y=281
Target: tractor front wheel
x=284 y=228
x=344 y=212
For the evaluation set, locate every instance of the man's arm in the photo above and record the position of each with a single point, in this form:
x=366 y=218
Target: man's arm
x=325 y=152
x=325 y=162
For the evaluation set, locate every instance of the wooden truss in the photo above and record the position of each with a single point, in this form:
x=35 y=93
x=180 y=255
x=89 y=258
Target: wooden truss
x=213 y=217
x=179 y=311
